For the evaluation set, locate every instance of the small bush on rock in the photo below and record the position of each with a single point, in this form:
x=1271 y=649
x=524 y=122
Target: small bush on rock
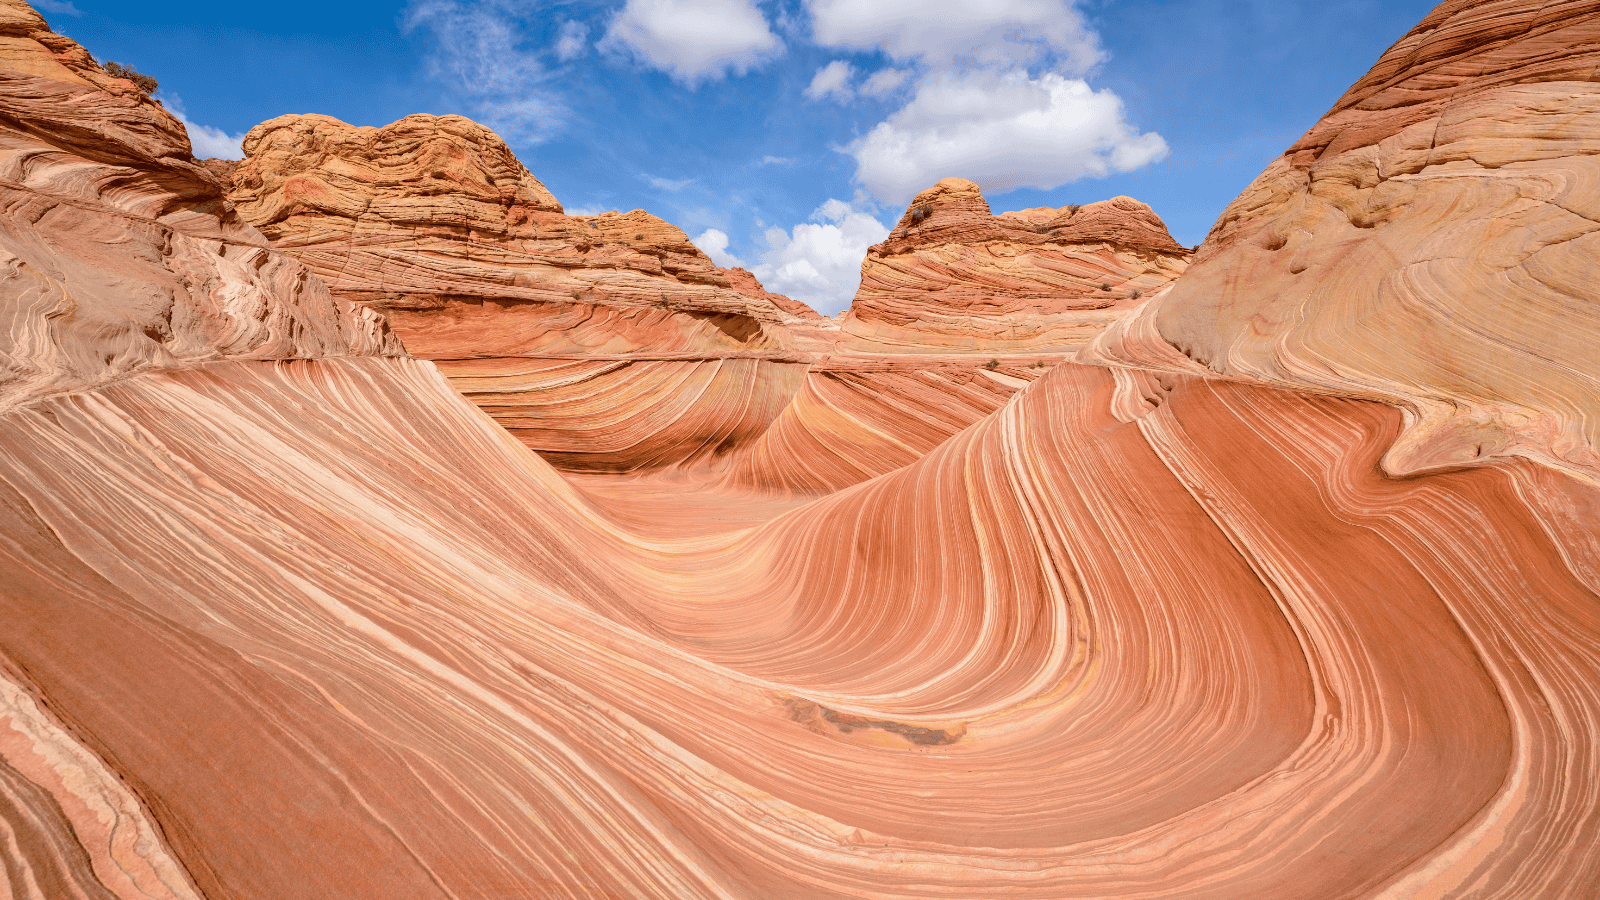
x=140 y=80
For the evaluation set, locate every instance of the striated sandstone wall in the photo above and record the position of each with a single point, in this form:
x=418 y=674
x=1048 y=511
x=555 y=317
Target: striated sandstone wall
x=117 y=251
x=433 y=221
x=317 y=627
x=951 y=277
x=1430 y=243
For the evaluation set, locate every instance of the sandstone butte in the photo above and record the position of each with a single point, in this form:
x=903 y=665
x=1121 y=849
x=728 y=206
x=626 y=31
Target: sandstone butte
x=953 y=277
x=1216 y=612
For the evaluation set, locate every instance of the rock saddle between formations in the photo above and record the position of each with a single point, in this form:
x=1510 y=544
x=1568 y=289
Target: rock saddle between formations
x=282 y=615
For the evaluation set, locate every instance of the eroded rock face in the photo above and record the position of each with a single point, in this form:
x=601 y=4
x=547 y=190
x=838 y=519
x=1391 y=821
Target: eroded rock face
x=1431 y=243
x=933 y=629
x=435 y=223
x=432 y=216
x=953 y=277
x=117 y=251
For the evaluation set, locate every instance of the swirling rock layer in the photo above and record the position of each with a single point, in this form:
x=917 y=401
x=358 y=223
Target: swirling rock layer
x=117 y=252
x=286 y=616
x=433 y=221
x=952 y=277
x=1430 y=243
x=1186 y=646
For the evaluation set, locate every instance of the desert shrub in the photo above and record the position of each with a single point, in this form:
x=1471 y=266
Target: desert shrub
x=1073 y=209
x=1135 y=295
x=918 y=214
x=1105 y=285
x=140 y=80
x=992 y=364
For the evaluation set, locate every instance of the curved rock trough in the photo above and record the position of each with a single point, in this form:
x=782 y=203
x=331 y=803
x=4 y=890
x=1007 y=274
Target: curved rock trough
x=704 y=596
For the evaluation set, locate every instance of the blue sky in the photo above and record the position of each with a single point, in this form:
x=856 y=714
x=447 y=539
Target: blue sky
x=788 y=135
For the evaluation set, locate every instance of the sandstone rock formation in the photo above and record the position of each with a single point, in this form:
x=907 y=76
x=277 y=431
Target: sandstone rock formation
x=294 y=619
x=1430 y=243
x=951 y=277
x=433 y=216
x=433 y=221
x=117 y=252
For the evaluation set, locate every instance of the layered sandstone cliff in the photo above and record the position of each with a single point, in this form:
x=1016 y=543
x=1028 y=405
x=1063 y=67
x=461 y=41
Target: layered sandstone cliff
x=1430 y=243
x=435 y=223
x=295 y=620
x=433 y=220
x=117 y=251
x=952 y=277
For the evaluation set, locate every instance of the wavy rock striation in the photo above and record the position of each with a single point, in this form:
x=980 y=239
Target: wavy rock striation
x=1429 y=243
x=1107 y=631
x=951 y=277
x=117 y=251
x=434 y=221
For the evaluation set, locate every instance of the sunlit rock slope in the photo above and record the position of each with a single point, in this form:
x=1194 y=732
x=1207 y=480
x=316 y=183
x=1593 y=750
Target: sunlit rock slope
x=435 y=223
x=1432 y=243
x=951 y=277
x=295 y=619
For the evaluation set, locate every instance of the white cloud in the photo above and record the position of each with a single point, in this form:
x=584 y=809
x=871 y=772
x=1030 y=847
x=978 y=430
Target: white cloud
x=832 y=80
x=64 y=7
x=775 y=161
x=572 y=41
x=819 y=262
x=998 y=95
x=586 y=210
x=942 y=32
x=694 y=40
x=885 y=81
x=668 y=184
x=1003 y=132
x=207 y=142
x=715 y=245
x=481 y=51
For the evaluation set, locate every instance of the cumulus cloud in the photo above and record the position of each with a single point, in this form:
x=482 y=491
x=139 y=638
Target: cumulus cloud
x=694 y=40
x=819 y=262
x=945 y=32
x=832 y=80
x=714 y=243
x=208 y=142
x=997 y=95
x=1003 y=131
x=885 y=81
x=483 y=53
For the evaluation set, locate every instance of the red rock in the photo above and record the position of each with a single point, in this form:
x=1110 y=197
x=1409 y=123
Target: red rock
x=434 y=222
x=1430 y=243
x=288 y=617
x=952 y=277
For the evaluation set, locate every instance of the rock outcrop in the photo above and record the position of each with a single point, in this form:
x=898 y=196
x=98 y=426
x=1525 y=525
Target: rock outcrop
x=289 y=617
x=951 y=277
x=434 y=222
x=117 y=251
x=1430 y=243
x=432 y=217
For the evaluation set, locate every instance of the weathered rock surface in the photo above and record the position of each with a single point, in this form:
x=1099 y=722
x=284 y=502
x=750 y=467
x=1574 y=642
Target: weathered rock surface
x=952 y=277
x=1430 y=243
x=117 y=252
x=433 y=221
x=432 y=213
x=315 y=626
